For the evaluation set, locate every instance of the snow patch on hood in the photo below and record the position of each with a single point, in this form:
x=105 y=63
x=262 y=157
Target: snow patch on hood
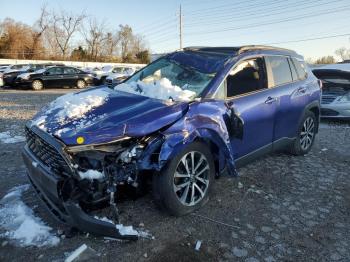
x=73 y=106
x=161 y=89
x=20 y=223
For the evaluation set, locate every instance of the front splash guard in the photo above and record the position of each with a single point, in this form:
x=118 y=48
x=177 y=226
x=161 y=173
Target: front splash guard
x=86 y=223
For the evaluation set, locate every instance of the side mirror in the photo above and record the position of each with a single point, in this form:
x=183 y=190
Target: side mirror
x=46 y=73
x=234 y=123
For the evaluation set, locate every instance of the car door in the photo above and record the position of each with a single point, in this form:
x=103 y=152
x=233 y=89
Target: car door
x=292 y=92
x=70 y=76
x=53 y=77
x=247 y=93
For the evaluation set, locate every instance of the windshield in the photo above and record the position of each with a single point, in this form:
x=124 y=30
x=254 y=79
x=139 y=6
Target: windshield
x=39 y=71
x=118 y=70
x=165 y=79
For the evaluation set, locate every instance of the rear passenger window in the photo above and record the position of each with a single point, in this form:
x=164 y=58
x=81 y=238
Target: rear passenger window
x=279 y=70
x=300 y=67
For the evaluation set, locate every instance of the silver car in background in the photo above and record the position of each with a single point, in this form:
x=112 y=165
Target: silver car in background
x=335 y=101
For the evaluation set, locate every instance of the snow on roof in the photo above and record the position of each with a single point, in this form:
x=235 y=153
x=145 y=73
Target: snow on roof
x=20 y=223
x=160 y=89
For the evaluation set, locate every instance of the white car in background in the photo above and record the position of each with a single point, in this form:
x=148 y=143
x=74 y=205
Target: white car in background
x=100 y=73
x=119 y=74
x=335 y=102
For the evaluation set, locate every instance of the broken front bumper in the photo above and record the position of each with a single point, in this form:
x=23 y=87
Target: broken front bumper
x=46 y=184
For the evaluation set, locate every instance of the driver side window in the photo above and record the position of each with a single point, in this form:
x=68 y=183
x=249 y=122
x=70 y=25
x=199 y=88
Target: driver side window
x=248 y=76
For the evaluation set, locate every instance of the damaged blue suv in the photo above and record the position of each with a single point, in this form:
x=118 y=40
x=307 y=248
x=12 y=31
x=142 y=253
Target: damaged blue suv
x=172 y=127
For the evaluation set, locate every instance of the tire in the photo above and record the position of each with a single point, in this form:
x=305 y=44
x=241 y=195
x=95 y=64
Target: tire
x=81 y=84
x=306 y=134
x=173 y=192
x=37 y=85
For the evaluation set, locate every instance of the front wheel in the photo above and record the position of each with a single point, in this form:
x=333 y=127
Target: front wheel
x=185 y=183
x=81 y=84
x=306 y=134
x=37 y=85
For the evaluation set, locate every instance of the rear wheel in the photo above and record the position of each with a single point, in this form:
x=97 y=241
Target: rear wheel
x=37 y=85
x=306 y=134
x=185 y=183
x=81 y=84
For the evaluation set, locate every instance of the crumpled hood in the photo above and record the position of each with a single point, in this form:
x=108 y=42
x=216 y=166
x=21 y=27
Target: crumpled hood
x=101 y=115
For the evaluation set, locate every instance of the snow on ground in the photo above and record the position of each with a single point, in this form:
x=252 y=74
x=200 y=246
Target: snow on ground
x=7 y=138
x=91 y=174
x=20 y=224
x=73 y=106
x=160 y=89
x=127 y=230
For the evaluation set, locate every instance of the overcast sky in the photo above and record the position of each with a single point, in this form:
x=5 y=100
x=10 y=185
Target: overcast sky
x=208 y=22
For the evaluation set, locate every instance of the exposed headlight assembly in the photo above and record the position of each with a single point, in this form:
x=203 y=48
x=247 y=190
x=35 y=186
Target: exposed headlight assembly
x=106 y=147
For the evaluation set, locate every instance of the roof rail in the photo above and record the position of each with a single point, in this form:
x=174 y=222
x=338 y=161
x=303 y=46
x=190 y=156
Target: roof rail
x=264 y=47
x=212 y=48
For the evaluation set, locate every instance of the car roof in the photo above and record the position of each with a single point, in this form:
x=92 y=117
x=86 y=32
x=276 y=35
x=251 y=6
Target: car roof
x=237 y=50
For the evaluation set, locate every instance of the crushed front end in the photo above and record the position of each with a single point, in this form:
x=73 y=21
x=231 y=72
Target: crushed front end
x=72 y=181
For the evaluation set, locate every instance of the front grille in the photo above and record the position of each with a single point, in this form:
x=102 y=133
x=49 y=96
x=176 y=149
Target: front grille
x=328 y=112
x=46 y=153
x=327 y=99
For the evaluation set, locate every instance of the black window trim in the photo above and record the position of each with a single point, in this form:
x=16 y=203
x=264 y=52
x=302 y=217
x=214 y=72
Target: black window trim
x=248 y=93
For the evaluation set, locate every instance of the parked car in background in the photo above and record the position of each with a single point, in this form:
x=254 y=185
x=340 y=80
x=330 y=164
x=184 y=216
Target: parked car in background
x=100 y=73
x=119 y=74
x=335 y=101
x=10 y=77
x=6 y=75
x=175 y=124
x=56 y=76
x=3 y=67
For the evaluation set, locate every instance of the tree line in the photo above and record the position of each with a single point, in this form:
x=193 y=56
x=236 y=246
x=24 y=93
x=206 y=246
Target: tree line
x=63 y=35
x=343 y=53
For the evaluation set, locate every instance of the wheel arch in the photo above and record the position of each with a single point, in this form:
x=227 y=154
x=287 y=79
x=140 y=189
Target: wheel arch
x=175 y=143
x=314 y=107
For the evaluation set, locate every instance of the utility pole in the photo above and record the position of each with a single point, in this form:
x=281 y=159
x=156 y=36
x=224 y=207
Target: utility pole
x=180 y=27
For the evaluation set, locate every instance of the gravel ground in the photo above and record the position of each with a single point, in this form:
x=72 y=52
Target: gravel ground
x=280 y=208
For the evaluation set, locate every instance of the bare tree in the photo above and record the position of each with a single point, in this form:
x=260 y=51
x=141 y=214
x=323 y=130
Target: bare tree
x=126 y=39
x=111 y=45
x=94 y=37
x=343 y=53
x=38 y=29
x=65 y=25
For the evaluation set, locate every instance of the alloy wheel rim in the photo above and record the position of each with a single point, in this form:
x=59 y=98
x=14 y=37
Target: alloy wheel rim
x=307 y=133
x=81 y=84
x=191 y=178
x=37 y=85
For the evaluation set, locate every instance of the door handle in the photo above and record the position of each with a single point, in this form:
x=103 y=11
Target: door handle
x=270 y=100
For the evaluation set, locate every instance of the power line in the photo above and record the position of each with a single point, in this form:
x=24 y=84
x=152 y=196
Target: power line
x=302 y=5
x=222 y=7
x=292 y=18
x=308 y=39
